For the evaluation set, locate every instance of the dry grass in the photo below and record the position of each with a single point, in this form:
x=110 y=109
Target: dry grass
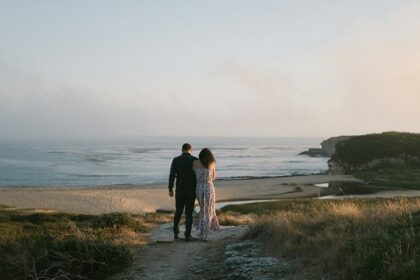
x=230 y=218
x=348 y=239
x=44 y=245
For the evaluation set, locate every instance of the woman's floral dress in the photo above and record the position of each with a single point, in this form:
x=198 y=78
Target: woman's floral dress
x=206 y=196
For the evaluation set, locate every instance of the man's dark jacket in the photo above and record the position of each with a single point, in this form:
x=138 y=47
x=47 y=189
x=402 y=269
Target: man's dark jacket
x=182 y=170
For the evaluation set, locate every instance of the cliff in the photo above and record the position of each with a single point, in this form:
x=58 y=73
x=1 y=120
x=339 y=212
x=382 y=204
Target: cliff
x=328 y=146
x=360 y=153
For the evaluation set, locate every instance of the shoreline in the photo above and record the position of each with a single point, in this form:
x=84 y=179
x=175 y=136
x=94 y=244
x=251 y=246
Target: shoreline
x=150 y=198
x=154 y=184
x=137 y=199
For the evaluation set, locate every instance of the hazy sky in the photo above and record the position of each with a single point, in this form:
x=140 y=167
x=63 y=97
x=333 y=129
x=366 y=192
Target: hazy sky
x=208 y=68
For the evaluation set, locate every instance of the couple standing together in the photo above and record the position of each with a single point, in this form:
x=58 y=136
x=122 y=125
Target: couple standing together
x=194 y=179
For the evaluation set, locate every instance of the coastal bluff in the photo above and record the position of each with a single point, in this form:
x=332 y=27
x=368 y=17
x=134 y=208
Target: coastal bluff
x=350 y=154
x=327 y=147
x=373 y=151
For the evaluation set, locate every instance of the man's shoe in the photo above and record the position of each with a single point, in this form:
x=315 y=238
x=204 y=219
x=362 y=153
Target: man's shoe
x=189 y=238
x=176 y=232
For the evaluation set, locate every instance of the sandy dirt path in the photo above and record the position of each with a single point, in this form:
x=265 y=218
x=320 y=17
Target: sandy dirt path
x=169 y=259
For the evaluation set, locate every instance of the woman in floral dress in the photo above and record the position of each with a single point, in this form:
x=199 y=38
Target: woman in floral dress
x=204 y=170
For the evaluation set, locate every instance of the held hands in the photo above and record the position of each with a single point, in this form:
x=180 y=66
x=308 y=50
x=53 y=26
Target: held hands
x=171 y=193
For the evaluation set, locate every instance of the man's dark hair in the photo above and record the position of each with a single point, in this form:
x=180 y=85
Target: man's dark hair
x=186 y=147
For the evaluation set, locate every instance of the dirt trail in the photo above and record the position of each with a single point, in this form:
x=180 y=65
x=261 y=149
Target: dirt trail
x=166 y=258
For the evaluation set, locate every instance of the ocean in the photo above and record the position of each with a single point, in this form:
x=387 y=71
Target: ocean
x=147 y=160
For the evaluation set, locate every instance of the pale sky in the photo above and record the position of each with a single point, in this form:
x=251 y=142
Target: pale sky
x=208 y=68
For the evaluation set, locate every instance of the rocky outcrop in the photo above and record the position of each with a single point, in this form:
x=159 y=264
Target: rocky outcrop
x=243 y=261
x=328 y=146
x=335 y=168
x=314 y=152
x=238 y=260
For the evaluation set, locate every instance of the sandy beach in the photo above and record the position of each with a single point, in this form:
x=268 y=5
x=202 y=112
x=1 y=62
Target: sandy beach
x=146 y=198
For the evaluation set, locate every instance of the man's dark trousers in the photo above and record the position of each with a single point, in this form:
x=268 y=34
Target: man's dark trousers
x=182 y=171
x=182 y=201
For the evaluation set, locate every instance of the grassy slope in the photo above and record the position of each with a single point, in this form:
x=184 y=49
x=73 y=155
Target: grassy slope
x=65 y=246
x=397 y=176
x=348 y=239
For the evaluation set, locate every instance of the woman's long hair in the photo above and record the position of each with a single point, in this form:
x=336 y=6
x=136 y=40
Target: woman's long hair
x=206 y=158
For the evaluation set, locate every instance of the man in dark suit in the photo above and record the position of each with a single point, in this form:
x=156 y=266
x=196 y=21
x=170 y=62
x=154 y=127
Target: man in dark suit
x=182 y=171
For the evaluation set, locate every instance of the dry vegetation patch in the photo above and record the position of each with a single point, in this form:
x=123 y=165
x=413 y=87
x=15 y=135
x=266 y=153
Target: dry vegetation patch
x=346 y=239
x=49 y=245
x=231 y=218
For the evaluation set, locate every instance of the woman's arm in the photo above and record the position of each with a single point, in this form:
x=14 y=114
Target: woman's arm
x=214 y=173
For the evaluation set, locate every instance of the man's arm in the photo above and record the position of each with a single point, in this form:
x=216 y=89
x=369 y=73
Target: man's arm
x=194 y=176
x=172 y=176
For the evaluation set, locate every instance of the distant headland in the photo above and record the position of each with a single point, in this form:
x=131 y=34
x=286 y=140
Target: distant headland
x=386 y=159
